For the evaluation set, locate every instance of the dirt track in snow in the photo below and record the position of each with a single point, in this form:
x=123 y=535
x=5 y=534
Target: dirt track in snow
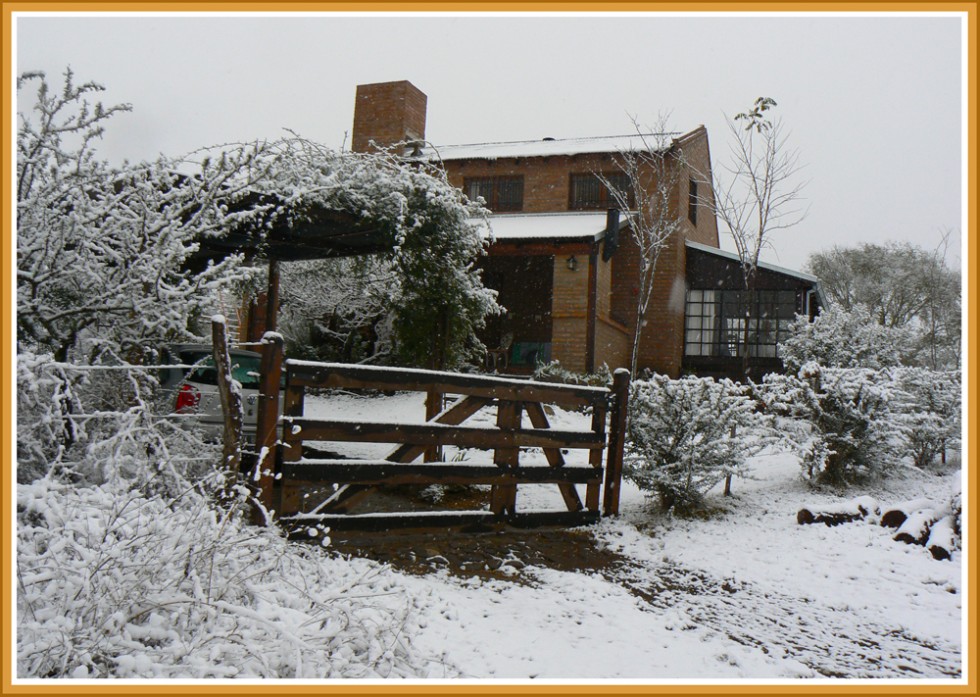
x=831 y=641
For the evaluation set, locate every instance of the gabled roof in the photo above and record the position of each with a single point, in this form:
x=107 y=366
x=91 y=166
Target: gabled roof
x=732 y=256
x=762 y=264
x=553 y=146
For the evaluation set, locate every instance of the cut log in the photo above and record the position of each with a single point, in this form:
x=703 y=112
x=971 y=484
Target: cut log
x=915 y=529
x=836 y=514
x=895 y=515
x=942 y=538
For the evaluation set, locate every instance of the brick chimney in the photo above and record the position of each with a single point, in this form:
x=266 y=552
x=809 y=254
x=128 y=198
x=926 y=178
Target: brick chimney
x=387 y=113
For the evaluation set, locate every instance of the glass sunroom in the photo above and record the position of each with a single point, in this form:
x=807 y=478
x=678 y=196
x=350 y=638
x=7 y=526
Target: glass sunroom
x=723 y=322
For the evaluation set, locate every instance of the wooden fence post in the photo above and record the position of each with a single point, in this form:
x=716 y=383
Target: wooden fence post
x=231 y=403
x=503 y=497
x=266 y=432
x=433 y=407
x=617 y=439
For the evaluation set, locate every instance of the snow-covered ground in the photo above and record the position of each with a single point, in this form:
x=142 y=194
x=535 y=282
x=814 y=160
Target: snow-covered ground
x=113 y=584
x=744 y=594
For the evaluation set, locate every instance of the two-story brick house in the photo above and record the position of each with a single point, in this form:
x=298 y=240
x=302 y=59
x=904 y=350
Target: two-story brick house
x=562 y=259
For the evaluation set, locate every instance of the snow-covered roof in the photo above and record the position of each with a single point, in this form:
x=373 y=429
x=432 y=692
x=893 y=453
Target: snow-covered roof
x=548 y=146
x=548 y=226
x=762 y=264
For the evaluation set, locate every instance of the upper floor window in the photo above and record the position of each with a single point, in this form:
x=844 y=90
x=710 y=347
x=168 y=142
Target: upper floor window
x=587 y=192
x=692 y=201
x=500 y=193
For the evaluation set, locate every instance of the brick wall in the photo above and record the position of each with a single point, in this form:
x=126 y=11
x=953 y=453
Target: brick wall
x=698 y=155
x=546 y=179
x=613 y=344
x=569 y=301
x=395 y=111
x=661 y=341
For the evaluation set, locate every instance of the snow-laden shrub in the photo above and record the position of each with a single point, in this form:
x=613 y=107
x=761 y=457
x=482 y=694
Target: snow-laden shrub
x=44 y=395
x=434 y=296
x=113 y=583
x=837 y=338
x=111 y=256
x=684 y=436
x=103 y=253
x=840 y=421
x=928 y=406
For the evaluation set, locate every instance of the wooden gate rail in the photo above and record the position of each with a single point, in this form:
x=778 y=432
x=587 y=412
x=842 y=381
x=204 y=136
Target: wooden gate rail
x=290 y=465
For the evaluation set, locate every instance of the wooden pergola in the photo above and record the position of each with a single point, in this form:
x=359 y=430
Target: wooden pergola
x=319 y=233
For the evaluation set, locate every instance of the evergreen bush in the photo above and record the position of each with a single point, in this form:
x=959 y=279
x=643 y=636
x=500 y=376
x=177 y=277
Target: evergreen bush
x=684 y=436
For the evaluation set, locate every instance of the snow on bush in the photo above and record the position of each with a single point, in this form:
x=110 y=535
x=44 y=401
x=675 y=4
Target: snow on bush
x=128 y=568
x=684 y=436
x=116 y=584
x=928 y=403
x=97 y=422
x=103 y=253
x=840 y=421
x=837 y=338
x=108 y=257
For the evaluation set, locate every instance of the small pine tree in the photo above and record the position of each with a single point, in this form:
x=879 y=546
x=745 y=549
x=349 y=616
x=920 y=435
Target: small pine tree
x=841 y=421
x=685 y=436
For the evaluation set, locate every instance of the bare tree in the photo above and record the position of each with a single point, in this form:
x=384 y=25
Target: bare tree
x=759 y=193
x=646 y=191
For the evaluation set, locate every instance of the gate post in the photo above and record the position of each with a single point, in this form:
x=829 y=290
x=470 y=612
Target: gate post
x=617 y=439
x=266 y=431
x=231 y=404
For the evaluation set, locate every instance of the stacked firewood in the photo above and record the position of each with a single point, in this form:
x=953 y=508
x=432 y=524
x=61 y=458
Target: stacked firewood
x=917 y=521
x=920 y=522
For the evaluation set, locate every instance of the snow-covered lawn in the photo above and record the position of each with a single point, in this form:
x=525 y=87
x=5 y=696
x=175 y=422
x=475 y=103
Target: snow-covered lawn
x=744 y=594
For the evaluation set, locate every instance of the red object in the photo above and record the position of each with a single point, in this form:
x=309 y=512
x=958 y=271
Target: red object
x=187 y=399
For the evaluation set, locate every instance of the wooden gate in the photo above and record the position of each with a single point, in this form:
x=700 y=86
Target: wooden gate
x=306 y=485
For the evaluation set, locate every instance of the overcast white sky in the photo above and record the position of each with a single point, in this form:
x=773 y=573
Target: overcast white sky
x=874 y=103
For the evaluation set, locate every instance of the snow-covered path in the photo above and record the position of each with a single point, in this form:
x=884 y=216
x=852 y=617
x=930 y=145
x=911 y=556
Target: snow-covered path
x=744 y=593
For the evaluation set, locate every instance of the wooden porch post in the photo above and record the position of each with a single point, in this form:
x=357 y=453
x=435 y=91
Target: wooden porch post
x=272 y=297
x=263 y=476
x=590 y=312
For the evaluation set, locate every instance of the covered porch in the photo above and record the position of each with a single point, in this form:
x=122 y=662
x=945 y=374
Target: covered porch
x=552 y=274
